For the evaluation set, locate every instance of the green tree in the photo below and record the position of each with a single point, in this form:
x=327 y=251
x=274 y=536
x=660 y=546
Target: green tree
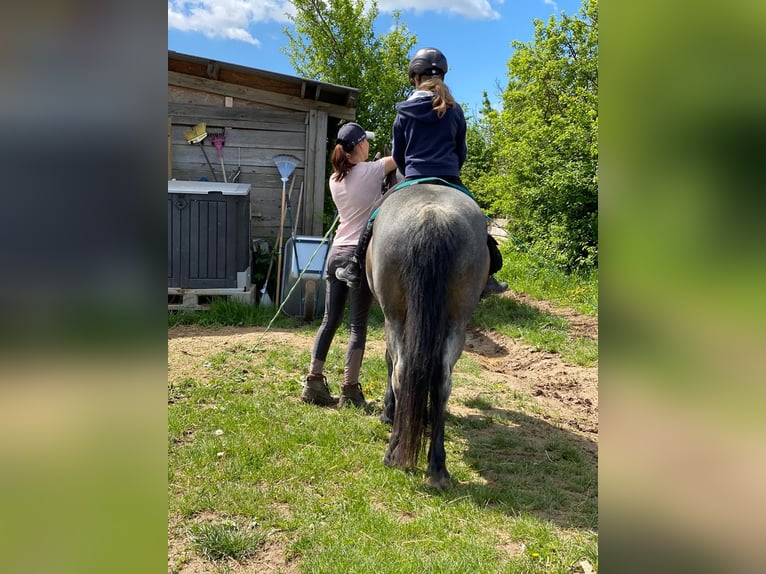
x=334 y=42
x=479 y=171
x=545 y=141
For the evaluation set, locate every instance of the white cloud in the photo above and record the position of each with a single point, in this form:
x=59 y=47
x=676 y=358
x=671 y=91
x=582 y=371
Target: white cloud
x=231 y=19
x=472 y=9
x=552 y=3
x=228 y=19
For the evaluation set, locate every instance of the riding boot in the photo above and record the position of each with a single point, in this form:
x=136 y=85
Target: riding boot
x=316 y=391
x=494 y=286
x=351 y=274
x=351 y=394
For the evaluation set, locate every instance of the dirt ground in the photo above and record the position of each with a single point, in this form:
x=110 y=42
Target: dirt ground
x=567 y=394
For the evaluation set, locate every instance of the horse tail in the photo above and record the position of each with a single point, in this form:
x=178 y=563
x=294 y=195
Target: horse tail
x=421 y=375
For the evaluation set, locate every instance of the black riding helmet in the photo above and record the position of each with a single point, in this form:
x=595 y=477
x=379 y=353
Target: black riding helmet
x=427 y=62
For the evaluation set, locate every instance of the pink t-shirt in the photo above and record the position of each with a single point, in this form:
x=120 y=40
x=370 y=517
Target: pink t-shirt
x=356 y=197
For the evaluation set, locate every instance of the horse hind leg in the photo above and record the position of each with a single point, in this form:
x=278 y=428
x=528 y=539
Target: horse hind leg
x=389 y=401
x=387 y=416
x=437 y=475
x=393 y=361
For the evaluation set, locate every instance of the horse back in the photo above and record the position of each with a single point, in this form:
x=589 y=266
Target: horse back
x=434 y=230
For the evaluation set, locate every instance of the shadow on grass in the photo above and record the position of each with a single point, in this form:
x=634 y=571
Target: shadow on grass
x=527 y=466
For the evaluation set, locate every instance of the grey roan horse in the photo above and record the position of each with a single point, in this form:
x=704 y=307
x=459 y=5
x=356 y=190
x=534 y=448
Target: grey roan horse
x=427 y=264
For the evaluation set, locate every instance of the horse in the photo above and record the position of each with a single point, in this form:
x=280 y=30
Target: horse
x=426 y=264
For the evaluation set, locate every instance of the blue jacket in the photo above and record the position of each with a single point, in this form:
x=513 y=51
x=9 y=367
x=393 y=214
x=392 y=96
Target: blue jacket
x=424 y=144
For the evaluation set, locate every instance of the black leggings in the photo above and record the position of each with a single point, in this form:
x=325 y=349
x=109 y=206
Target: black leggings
x=336 y=295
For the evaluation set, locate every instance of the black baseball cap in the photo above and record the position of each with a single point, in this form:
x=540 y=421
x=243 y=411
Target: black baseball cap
x=351 y=134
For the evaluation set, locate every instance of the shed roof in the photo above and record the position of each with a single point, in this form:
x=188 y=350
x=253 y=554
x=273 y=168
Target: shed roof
x=294 y=92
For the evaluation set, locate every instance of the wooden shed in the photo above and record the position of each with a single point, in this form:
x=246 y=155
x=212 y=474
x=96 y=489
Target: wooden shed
x=261 y=115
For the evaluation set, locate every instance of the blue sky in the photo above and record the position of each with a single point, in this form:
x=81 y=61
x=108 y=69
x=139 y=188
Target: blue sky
x=475 y=35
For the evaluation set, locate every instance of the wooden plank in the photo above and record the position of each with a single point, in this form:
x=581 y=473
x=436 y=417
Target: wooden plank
x=263 y=157
x=242 y=124
x=311 y=164
x=258 y=118
x=254 y=94
x=249 y=138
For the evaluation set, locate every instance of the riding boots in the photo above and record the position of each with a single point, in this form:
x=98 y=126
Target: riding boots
x=493 y=287
x=351 y=274
x=317 y=392
x=352 y=395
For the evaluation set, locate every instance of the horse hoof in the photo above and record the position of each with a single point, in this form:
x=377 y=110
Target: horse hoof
x=389 y=459
x=439 y=482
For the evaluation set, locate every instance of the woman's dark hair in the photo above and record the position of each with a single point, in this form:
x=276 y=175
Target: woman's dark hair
x=340 y=162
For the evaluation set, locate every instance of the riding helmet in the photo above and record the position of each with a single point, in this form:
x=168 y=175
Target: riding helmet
x=427 y=62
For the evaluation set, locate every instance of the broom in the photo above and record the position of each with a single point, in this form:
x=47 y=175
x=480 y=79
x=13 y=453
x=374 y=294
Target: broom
x=195 y=136
x=265 y=299
x=285 y=164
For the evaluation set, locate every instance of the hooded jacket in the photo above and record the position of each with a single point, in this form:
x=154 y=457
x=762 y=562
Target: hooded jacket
x=424 y=144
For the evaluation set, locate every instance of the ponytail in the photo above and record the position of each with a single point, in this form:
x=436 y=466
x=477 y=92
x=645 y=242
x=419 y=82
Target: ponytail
x=442 y=97
x=340 y=162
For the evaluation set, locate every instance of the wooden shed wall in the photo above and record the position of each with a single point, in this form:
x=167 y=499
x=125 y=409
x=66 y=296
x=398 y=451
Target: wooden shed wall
x=259 y=125
x=250 y=145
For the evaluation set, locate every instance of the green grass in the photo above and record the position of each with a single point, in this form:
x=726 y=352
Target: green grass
x=223 y=540
x=243 y=449
x=544 y=331
x=223 y=311
x=526 y=273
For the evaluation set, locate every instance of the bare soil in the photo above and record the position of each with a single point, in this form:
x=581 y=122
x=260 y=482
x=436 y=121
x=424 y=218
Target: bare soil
x=567 y=395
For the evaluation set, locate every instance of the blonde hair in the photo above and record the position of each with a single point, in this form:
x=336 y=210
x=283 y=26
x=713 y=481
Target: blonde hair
x=442 y=97
x=340 y=162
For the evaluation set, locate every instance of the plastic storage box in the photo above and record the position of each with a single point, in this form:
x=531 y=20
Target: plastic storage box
x=208 y=235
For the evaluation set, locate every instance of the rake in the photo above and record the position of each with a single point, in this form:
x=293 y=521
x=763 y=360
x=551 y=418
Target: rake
x=285 y=164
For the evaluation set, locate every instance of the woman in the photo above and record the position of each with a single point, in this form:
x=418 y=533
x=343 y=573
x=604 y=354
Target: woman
x=429 y=141
x=355 y=186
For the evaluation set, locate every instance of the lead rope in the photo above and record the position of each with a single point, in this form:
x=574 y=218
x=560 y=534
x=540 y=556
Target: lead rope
x=297 y=283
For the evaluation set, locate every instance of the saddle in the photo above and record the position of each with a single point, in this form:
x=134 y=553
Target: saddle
x=436 y=180
x=408 y=183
